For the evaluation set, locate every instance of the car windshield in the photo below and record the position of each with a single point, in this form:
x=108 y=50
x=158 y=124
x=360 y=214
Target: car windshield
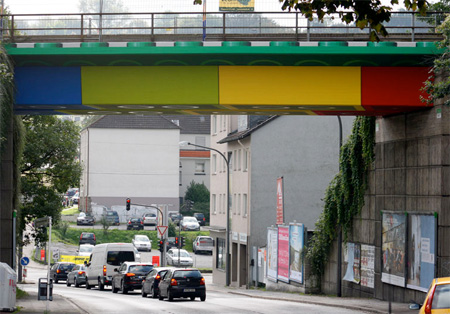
x=86 y=249
x=142 y=239
x=82 y=215
x=190 y=219
x=179 y=274
x=116 y=258
x=66 y=266
x=182 y=253
x=135 y=220
x=111 y=213
x=150 y=215
x=87 y=235
x=441 y=299
x=140 y=268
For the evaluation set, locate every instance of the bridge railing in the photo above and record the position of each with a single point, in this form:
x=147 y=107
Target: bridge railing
x=211 y=26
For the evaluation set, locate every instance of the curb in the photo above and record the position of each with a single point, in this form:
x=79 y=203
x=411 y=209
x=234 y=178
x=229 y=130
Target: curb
x=74 y=304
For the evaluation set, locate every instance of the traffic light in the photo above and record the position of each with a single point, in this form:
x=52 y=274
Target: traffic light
x=177 y=242
x=128 y=204
x=183 y=242
x=161 y=245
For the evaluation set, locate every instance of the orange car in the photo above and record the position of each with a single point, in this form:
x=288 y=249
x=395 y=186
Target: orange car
x=437 y=300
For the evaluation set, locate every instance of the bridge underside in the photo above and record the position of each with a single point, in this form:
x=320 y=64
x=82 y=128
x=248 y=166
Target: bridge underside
x=329 y=78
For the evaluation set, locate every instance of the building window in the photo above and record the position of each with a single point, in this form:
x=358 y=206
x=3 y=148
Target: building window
x=224 y=121
x=181 y=178
x=214 y=164
x=238 y=205
x=223 y=203
x=220 y=256
x=234 y=205
x=239 y=160
x=199 y=168
x=200 y=140
x=244 y=204
x=234 y=160
x=214 y=125
x=245 y=160
x=213 y=203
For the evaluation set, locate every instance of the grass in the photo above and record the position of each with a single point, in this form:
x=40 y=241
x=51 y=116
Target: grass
x=70 y=211
x=72 y=236
x=20 y=293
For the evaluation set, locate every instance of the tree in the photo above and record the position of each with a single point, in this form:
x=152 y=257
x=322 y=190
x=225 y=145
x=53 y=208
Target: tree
x=48 y=168
x=199 y=194
x=368 y=13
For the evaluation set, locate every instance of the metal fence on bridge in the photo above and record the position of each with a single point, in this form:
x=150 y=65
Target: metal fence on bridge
x=218 y=26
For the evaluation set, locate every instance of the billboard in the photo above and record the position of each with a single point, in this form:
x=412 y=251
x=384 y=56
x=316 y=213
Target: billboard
x=353 y=258
x=393 y=248
x=283 y=253
x=368 y=266
x=296 y=244
x=272 y=253
x=237 y=5
x=421 y=251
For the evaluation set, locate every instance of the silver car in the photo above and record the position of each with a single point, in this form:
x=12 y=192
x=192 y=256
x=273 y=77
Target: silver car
x=179 y=257
x=142 y=242
x=189 y=224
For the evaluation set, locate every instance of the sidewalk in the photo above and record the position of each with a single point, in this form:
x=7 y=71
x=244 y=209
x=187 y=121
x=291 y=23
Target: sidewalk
x=59 y=305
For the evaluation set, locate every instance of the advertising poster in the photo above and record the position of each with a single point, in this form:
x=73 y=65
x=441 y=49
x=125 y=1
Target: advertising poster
x=272 y=254
x=296 y=244
x=393 y=248
x=237 y=5
x=280 y=205
x=353 y=259
x=283 y=253
x=421 y=251
x=368 y=266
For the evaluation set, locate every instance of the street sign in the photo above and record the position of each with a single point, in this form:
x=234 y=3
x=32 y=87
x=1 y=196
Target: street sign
x=55 y=254
x=24 y=261
x=41 y=222
x=162 y=230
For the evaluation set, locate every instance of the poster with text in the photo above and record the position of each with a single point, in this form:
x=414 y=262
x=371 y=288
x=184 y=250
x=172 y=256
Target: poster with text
x=421 y=251
x=283 y=253
x=272 y=254
x=237 y=5
x=280 y=204
x=368 y=266
x=353 y=259
x=296 y=244
x=393 y=248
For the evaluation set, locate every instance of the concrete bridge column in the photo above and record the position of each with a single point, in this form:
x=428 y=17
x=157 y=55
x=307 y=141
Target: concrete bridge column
x=6 y=201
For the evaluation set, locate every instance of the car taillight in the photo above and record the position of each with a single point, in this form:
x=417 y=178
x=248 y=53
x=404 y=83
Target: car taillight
x=158 y=277
x=104 y=270
x=202 y=281
x=94 y=236
x=131 y=274
x=204 y=219
x=58 y=271
x=81 y=273
x=430 y=301
x=173 y=282
x=129 y=222
x=142 y=222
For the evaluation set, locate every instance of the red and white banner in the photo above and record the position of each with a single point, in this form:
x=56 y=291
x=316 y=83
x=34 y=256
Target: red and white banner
x=280 y=206
x=283 y=253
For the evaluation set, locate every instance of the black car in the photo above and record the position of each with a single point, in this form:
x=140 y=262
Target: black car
x=176 y=218
x=182 y=283
x=200 y=218
x=87 y=238
x=135 y=223
x=60 y=270
x=77 y=276
x=129 y=276
x=150 y=285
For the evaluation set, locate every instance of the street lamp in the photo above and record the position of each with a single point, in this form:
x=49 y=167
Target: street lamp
x=227 y=266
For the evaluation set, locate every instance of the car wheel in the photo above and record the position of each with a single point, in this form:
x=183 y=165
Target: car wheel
x=169 y=296
x=75 y=283
x=55 y=279
x=67 y=283
x=101 y=286
x=124 y=290
x=203 y=298
x=144 y=295
x=113 y=288
x=153 y=293
x=192 y=298
x=87 y=284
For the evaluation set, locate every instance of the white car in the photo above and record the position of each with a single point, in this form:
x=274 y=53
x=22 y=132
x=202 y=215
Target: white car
x=85 y=249
x=189 y=224
x=142 y=242
x=150 y=219
x=177 y=257
x=203 y=244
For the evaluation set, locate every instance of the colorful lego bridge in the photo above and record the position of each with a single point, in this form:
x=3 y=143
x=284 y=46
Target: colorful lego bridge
x=302 y=78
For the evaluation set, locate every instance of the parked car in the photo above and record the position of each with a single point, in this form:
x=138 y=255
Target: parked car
x=200 y=218
x=85 y=249
x=171 y=243
x=60 y=270
x=203 y=244
x=112 y=217
x=76 y=198
x=437 y=299
x=104 y=259
x=135 y=224
x=87 y=238
x=189 y=224
x=176 y=218
x=150 y=285
x=129 y=276
x=150 y=219
x=67 y=198
x=183 y=283
x=77 y=276
x=179 y=257
x=85 y=219
x=142 y=242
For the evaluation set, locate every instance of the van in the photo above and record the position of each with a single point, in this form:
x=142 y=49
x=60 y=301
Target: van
x=104 y=259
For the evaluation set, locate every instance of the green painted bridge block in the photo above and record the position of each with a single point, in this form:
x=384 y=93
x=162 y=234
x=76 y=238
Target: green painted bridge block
x=188 y=44
x=382 y=44
x=94 y=45
x=48 y=45
x=283 y=43
x=141 y=44
x=236 y=43
x=333 y=44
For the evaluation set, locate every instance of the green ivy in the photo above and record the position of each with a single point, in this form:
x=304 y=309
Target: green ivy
x=6 y=96
x=344 y=197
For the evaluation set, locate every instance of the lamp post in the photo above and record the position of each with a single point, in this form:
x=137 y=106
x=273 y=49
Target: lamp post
x=227 y=266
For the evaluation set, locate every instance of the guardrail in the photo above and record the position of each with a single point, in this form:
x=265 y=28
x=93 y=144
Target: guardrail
x=211 y=26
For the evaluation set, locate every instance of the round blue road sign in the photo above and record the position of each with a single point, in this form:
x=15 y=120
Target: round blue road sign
x=24 y=261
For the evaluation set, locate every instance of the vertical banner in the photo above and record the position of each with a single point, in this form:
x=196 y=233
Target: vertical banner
x=283 y=253
x=272 y=253
x=368 y=266
x=296 y=244
x=393 y=248
x=237 y=5
x=353 y=258
x=421 y=251
x=280 y=204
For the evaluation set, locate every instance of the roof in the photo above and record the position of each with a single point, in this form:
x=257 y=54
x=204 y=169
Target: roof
x=195 y=153
x=254 y=123
x=133 y=122
x=192 y=124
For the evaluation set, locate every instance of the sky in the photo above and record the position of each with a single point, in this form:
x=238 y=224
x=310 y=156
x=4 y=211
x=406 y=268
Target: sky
x=71 y=6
